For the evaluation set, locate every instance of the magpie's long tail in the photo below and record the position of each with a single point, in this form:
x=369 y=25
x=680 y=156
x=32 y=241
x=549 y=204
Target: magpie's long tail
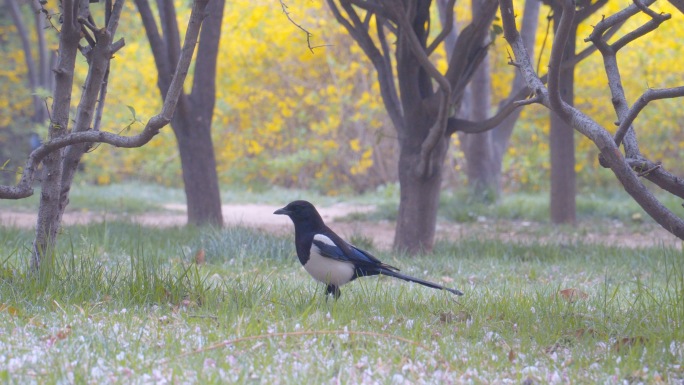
x=395 y=274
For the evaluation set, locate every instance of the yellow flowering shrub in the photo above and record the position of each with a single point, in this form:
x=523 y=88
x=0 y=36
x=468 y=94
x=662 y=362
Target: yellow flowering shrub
x=287 y=116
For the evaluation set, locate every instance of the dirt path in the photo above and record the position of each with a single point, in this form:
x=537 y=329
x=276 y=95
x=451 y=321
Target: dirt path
x=381 y=232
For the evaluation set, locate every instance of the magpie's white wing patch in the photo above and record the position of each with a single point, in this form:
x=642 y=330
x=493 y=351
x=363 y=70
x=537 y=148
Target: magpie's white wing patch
x=327 y=270
x=324 y=239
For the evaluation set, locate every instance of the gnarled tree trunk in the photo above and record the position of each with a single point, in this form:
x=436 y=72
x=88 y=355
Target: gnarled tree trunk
x=420 y=98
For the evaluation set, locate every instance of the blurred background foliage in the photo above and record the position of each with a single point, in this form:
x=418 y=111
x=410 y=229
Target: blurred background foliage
x=291 y=117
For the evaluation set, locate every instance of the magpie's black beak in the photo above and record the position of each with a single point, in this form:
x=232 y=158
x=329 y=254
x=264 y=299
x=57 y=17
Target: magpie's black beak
x=282 y=211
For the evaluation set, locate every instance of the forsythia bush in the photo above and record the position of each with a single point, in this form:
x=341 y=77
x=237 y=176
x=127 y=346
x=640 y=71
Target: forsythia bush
x=290 y=117
x=284 y=115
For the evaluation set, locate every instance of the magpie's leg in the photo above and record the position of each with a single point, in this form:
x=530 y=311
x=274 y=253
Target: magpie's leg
x=334 y=290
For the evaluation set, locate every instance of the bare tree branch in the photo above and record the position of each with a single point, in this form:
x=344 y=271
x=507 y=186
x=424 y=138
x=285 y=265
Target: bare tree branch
x=446 y=30
x=382 y=63
x=610 y=21
x=439 y=127
x=98 y=60
x=24 y=188
x=371 y=7
x=169 y=26
x=650 y=25
x=611 y=155
x=308 y=34
x=519 y=95
x=679 y=4
x=609 y=51
x=159 y=48
x=658 y=175
x=203 y=92
x=563 y=31
x=647 y=97
x=470 y=47
x=589 y=10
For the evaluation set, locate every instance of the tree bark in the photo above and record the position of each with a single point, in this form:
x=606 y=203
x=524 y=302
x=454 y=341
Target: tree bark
x=194 y=140
x=35 y=74
x=420 y=98
x=192 y=122
x=550 y=97
x=419 y=195
x=198 y=164
x=481 y=170
x=562 y=145
x=484 y=152
x=49 y=211
x=501 y=134
x=65 y=144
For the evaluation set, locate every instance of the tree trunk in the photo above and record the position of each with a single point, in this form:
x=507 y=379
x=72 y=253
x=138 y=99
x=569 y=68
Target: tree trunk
x=419 y=197
x=34 y=74
x=484 y=152
x=199 y=170
x=481 y=170
x=192 y=122
x=501 y=134
x=51 y=188
x=562 y=147
x=44 y=74
x=418 y=97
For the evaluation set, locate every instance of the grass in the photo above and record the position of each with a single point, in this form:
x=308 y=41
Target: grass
x=127 y=304
x=137 y=198
x=458 y=206
x=455 y=206
x=591 y=206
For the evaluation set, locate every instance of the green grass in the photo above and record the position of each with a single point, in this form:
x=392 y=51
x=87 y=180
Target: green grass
x=137 y=198
x=455 y=206
x=591 y=206
x=126 y=304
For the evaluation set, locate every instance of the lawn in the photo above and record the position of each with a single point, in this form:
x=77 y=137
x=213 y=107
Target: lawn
x=120 y=303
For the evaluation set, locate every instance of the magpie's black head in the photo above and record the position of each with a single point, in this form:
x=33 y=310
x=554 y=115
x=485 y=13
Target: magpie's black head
x=301 y=212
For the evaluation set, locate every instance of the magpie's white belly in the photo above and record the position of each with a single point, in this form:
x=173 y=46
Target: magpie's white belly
x=327 y=270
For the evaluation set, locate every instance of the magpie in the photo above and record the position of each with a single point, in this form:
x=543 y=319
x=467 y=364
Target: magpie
x=330 y=259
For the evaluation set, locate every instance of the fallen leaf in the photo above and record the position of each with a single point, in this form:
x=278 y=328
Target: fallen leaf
x=446 y=317
x=579 y=333
x=553 y=348
x=628 y=342
x=200 y=257
x=572 y=295
x=11 y=310
x=512 y=355
x=36 y=322
x=449 y=317
x=64 y=333
x=60 y=335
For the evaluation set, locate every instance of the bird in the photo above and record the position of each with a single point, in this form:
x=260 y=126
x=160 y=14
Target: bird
x=331 y=260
